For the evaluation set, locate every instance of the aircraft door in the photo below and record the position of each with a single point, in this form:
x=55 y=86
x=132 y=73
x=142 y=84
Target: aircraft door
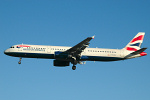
x=48 y=49
x=20 y=48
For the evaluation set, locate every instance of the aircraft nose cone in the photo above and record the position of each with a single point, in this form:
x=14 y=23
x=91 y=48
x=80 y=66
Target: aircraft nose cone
x=6 y=51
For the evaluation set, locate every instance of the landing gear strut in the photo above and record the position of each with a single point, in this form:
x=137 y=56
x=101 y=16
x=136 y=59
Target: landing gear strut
x=74 y=62
x=19 y=62
x=73 y=67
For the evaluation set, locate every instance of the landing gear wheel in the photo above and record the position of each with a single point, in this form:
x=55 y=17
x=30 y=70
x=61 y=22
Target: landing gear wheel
x=19 y=62
x=73 y=67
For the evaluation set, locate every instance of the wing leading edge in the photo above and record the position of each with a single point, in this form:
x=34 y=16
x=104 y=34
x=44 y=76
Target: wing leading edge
x=79 y=48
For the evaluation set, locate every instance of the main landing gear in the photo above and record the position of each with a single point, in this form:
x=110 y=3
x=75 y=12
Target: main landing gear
x=74 y=62
x=73 y=67
x=19 y=62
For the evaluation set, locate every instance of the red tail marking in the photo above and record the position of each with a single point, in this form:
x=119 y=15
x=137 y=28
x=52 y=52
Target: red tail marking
x=131 y=49
x=138 y=38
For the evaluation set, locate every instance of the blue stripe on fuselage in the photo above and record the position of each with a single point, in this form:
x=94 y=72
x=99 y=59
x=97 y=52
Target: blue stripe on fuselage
x=100 y=58
x=51 y=56
x=31 y=55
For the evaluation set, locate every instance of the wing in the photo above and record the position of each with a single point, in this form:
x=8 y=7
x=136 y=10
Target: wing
x=79 y=48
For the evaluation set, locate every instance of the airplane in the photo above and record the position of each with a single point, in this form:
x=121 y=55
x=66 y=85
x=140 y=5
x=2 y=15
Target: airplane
x=79 y=53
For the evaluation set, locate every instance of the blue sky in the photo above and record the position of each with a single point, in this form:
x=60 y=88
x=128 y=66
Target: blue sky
x=66 y=23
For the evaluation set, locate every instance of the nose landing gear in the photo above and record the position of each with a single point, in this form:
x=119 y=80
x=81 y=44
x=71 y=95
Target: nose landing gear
x=19 y=62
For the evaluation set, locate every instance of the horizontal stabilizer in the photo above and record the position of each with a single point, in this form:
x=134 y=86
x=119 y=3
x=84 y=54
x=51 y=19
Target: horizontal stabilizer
x=138 y=51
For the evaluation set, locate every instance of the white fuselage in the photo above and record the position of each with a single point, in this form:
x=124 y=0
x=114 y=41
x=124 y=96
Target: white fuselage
x=89 y=54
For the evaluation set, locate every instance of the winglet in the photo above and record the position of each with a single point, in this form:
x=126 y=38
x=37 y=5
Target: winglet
x=93 y=37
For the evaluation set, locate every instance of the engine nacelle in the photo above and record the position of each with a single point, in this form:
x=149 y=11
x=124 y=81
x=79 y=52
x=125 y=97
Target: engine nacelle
x=60 y=63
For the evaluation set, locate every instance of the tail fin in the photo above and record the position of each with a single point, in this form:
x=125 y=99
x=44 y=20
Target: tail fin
x=136 y=42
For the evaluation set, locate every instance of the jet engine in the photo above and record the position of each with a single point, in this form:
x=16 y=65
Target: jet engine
x=60 y=63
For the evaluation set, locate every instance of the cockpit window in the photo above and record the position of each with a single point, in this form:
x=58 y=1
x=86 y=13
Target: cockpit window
x=12 y=47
